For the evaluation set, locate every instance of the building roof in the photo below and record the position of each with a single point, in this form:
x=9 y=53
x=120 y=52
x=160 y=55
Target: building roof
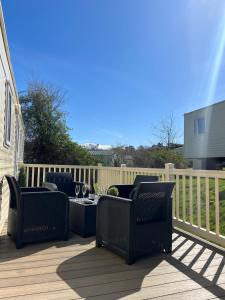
x=96 y=152
x=208 y=106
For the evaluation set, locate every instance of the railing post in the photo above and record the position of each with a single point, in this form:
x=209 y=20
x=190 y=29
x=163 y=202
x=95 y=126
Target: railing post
x=122 y=173
x=168 y=168
x=99 y=175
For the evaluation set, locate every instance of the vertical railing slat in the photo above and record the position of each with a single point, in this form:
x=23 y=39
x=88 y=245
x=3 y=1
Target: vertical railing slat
x=207 y=203
x=74 y=174
x=184 y=197
x=191 y=198
x=79 y=173
x=27 y=178
x=43 y=178
x=177 y=196
x=217 y=212
x=32 y=177
x=89 y=176
x=38 y=177
x=199 y=201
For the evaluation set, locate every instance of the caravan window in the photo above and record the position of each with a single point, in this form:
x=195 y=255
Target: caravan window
x=199 y=126
x=8 y=115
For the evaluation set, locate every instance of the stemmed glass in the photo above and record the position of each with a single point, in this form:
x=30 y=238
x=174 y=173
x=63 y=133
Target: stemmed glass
x=84 y=189
x=77 y=190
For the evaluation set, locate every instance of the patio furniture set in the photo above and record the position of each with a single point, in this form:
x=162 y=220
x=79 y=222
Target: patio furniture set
x=136 y=222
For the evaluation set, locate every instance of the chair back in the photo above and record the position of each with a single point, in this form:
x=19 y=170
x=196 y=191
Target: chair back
x=63 y=181
x=145 y=178
x=152 y=201
x=15 y=195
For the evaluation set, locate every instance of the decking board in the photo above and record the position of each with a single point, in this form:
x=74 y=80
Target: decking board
x=77 y=270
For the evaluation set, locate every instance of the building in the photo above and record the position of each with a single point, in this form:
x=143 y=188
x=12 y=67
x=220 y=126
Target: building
x=101 y=153
x=204 y=137
x=11 y=123
x=104 y=156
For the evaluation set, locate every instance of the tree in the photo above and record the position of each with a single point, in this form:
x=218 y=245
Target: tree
x=120 y=154
x=148 y=157
x=162 y=156
x=47 y=137
x=166 y=131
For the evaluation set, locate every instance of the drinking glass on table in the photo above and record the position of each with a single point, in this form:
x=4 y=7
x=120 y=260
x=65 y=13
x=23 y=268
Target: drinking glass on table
x=84 y=189
x=77 y=190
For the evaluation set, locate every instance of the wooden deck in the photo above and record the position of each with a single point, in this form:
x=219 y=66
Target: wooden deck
x=77 y=270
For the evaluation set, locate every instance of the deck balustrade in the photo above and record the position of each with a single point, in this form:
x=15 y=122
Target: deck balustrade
x=198 y=197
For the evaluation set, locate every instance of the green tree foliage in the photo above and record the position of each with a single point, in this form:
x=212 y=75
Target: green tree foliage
x=158 y=157
x=22 y=177
x=47 y=137
x=149 y=157
x=163 y=156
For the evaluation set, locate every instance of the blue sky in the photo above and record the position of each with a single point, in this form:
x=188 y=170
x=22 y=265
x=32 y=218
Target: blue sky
x=124 y=64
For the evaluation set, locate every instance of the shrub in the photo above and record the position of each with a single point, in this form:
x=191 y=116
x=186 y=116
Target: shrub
x=22 y=177
x=113 y=191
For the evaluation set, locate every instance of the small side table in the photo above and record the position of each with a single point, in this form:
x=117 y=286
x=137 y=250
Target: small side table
x=82 y=217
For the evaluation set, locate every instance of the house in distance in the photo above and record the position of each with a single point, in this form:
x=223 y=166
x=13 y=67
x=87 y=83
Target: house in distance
x=204 y=137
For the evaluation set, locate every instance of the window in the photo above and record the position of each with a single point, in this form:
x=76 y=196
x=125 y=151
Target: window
x=8 y=115
x=199 y=126
x=17 y=138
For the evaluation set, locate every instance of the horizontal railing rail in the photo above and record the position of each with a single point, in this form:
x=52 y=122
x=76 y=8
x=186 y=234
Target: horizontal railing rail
x=198 y=197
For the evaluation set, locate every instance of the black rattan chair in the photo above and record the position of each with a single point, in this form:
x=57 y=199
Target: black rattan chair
x=127 y=190
x=134 y=227
x=36 y=214
x=62 y=181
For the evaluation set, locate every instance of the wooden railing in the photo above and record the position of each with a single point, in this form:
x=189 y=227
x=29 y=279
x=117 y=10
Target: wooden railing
x=198 y=197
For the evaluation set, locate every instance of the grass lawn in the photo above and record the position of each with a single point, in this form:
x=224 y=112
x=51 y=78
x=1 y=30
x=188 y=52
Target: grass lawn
x=203 y=202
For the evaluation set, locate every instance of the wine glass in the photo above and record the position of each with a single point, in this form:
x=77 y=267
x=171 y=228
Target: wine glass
x=84 y=189
x=77 y=190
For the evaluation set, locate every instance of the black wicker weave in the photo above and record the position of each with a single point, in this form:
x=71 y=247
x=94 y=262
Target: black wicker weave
x=36 y=214
x=138 y=226
x=127 y=190
x=62 y=181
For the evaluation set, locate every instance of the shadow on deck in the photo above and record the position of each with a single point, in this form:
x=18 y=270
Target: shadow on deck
x=77 y=270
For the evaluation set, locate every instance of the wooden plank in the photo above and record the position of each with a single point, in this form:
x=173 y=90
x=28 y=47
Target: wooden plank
x=27 y=176
x=177 y=196
x=217 y=206
x=207 y=203
x=43 y=174
x=38 y=177
x=77 y=270
x=199 y=201
x=32 y=177
x=191 y=198
x=160 y=285
x=184 y=197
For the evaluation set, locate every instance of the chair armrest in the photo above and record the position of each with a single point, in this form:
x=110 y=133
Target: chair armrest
x=54 y=196
x=114 y=199
x=123 y=189
x=50 y=186
x=33 y=189
x=113 y=221
x=46 y=208
x=111 y=209
x=34 y=203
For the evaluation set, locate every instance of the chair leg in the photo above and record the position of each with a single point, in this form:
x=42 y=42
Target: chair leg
x=168 y=248
x=66 y=236
x=19 y=245
x=129 y=260
x=98 y=245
